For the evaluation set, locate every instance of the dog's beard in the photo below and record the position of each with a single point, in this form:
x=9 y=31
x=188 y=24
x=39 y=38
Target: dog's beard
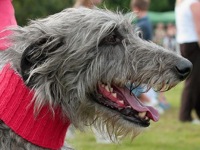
x=106 y=121
x=113 y=125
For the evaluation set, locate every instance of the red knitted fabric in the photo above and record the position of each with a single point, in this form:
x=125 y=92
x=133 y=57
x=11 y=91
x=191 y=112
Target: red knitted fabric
x=16 y=110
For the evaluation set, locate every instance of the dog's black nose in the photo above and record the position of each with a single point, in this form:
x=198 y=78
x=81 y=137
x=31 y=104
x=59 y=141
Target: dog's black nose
x=183 y=68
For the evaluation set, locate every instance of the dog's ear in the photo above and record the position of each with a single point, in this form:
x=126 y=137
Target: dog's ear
x=37 y=53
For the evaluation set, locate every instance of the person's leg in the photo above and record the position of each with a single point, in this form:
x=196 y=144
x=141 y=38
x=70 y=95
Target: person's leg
x=191 y=88
x=186 y=103
x=196 y=81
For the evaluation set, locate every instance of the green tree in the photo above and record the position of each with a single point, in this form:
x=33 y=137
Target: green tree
x=122 y=5
x=156 y=5
x=33 y=9
x=162 y=5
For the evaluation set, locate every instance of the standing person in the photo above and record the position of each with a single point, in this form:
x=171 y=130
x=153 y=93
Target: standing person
x=7 y=18
x=188 y=36
x=140 y=7
x=87 y=3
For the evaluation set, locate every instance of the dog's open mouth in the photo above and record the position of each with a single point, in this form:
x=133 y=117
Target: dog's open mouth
x=130 y=107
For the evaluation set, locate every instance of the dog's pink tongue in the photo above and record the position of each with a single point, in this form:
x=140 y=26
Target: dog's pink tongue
x=138 y=106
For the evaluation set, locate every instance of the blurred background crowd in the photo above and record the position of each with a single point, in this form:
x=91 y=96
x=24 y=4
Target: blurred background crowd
x=161 y=15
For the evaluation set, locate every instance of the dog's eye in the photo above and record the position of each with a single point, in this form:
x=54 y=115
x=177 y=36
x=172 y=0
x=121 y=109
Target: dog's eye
x=112 y=39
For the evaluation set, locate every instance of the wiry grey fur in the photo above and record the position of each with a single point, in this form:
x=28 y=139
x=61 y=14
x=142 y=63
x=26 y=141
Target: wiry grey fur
x=74 y=52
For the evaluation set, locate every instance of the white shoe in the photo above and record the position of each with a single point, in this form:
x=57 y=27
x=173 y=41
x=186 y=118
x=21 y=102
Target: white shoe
x=196 y=121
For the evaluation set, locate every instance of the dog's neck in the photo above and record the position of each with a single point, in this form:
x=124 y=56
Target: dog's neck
x=47 y=129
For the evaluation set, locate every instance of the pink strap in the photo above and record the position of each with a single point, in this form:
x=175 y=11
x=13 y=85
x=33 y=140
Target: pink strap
x=7 y=18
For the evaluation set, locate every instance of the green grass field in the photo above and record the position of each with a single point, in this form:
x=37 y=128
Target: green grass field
x=167 y=134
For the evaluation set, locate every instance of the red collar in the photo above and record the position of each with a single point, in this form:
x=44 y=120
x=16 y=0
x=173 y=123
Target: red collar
x=44 y=130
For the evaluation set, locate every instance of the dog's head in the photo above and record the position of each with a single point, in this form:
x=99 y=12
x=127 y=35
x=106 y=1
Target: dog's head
x=82 y=60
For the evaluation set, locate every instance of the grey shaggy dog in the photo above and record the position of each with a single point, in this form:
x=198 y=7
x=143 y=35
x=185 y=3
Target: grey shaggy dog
x=69 y=57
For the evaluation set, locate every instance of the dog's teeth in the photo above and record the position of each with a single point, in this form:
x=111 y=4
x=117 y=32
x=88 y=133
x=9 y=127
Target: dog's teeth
x=107 y=88
x=114 y=95
x=111 y=89
x=103 y=85
x=142 y=114
x=121 y=101
x=146 y=118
